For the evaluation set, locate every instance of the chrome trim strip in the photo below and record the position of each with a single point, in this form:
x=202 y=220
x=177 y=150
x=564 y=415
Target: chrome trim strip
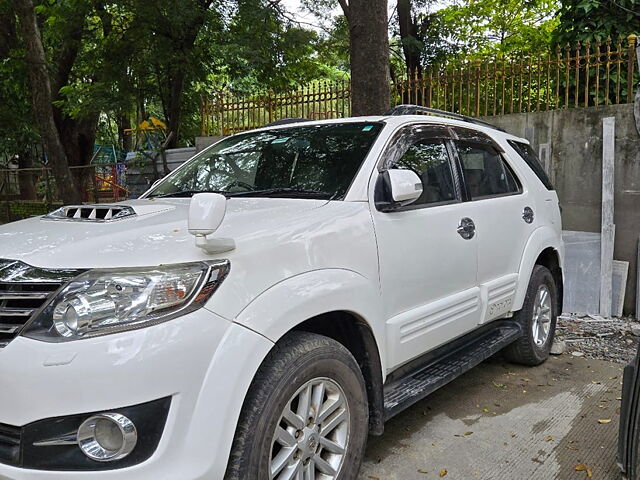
x=8 y=295
x=16 y=312
x=70 y=438
x=17 y=272
x=8 y=328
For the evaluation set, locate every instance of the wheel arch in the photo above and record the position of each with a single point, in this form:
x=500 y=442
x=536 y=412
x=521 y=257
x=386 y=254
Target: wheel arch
x=356 y=336
x=550 y=259
x=545 y=247
x=340 y=304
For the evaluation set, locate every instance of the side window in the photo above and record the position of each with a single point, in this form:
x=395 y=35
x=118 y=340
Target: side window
x=485 y=171
x=430 y=160
x=529 y=156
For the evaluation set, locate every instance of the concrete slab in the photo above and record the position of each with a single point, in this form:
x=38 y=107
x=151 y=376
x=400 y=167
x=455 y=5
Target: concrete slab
x=502 y=421
x=582 y=272
x=618 y=286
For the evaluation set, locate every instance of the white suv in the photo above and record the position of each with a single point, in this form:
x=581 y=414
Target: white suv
x=263 y=308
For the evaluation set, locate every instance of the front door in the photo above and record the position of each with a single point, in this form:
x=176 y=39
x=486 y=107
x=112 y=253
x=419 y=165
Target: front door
x=427 y=250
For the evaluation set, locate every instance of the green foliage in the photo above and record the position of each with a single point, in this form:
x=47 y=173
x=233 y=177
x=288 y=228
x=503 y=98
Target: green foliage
x=16 y=123
x=595 y=20
x=118 y=62
x=497 y=27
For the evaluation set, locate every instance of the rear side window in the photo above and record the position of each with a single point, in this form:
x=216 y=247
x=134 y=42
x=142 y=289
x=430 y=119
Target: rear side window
x=486 y=173
x=530 y=157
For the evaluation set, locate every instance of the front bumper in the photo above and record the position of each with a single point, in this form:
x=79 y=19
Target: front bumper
x=202 y=361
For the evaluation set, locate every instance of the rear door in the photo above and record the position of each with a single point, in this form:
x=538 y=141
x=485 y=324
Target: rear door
x=504 y=217
x=629 y=433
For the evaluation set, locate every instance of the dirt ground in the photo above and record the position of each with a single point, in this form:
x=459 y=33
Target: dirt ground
x=503 y=421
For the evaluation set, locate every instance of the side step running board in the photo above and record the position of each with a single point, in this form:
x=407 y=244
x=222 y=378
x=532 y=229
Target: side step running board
x=405 y=391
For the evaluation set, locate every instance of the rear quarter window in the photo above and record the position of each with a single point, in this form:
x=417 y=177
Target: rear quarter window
x=529 y=156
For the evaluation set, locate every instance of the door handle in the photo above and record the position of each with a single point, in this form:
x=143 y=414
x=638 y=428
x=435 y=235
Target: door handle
x=467 y=229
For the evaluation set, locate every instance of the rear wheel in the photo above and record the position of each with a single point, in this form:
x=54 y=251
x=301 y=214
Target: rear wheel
x=538 y=319
x=305 y=415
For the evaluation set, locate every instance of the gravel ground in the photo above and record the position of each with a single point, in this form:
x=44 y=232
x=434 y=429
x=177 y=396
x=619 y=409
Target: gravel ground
x=591 y=336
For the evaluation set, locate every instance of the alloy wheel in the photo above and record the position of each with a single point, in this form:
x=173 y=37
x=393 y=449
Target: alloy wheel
x=311 y=438
x=541 y=324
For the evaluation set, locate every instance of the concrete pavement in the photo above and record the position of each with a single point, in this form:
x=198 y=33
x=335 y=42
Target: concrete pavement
x=505 y=421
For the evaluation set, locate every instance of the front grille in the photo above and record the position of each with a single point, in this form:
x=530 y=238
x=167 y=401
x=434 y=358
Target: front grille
x=10 y=444
x=18 y=303
x=23 y=290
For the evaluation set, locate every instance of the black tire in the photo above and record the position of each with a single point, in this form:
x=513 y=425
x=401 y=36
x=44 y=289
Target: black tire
x=296 y=359
x=525 y=350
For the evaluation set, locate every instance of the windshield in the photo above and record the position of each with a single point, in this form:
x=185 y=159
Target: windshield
x=316 y=161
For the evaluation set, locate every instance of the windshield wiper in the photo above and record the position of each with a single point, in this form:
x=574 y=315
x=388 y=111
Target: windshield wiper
x=289 y=191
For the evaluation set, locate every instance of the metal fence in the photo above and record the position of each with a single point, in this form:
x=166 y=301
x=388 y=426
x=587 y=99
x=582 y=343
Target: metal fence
x=582 y=75
x=33 y=191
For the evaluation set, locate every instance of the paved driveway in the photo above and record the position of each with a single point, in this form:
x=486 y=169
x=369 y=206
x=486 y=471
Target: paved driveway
x=502 y=421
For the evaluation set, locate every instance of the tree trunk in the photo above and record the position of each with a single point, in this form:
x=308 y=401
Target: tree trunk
x=26 y=179
x=175 y=105
x=41 y=102
x=410 y=38
x=124 y=123
x=369 y=52
x=78 y=136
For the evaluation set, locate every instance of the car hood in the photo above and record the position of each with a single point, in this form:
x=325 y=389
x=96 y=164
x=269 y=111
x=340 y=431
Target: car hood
x=157 y=233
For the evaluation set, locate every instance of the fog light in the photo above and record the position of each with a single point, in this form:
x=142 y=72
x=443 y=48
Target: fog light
x=107 y=437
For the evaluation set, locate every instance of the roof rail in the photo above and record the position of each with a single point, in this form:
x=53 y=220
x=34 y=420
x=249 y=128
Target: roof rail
x=407 y=109
x=286 y=121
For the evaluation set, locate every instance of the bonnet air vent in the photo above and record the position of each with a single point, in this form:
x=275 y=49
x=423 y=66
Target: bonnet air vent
x=92 y=213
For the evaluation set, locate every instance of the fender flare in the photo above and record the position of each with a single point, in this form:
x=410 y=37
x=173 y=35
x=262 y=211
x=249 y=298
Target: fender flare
x=314 y=293
x=542 y=238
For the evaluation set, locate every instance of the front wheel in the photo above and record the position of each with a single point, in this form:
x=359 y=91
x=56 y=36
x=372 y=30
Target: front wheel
x=305 y=415
x=538 y=319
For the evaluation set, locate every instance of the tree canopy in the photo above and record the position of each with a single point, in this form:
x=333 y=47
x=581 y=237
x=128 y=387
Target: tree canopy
x=111 y=65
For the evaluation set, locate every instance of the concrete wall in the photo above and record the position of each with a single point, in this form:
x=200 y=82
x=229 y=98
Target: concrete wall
x=571 y=141
x=204 y=142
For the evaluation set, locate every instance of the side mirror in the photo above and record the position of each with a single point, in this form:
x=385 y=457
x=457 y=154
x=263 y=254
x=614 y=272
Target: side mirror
x=206 y=213
x=397 y=188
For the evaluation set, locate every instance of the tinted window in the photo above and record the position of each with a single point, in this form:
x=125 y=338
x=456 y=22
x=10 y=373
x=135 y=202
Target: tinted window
x=430 y=161
x=318 y=161
x=486 y=173
x=529 y=156
x=472 y=136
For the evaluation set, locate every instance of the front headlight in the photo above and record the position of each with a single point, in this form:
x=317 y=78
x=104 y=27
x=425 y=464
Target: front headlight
x=105 y=301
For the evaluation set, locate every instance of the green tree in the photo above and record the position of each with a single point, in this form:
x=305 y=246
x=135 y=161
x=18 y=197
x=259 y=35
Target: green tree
x=367 y=21
x=498 y=26
x=17 y=131
x=95 y=63
x=595 y=20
